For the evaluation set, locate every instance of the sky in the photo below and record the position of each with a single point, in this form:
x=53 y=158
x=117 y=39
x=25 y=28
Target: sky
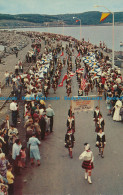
x=53 y=7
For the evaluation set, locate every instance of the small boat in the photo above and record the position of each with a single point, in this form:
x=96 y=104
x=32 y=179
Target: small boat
x=121 y=44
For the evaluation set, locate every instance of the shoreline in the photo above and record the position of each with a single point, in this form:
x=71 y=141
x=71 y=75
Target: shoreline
x=11 y=59
x=117 y=52
x=60 y=29
x=52 y=26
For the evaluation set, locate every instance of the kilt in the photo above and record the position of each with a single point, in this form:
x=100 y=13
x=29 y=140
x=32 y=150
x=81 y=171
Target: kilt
x=101 y=145
x=87 y=165
x=69 y=145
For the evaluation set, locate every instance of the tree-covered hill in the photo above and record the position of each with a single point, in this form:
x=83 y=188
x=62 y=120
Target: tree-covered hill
x=87 y=18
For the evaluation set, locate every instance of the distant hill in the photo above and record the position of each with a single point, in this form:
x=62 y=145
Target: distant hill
x=87 y=18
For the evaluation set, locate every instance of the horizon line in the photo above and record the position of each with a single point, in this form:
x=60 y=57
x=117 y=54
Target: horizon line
x=54 y=14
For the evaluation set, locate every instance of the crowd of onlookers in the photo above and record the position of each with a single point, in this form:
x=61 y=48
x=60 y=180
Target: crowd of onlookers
x=109 y=83
x=38 y=118
x=34 y=85
x=99 y=73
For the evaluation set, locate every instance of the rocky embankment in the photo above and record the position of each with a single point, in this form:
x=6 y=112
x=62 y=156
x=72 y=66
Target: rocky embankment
x=12 y=42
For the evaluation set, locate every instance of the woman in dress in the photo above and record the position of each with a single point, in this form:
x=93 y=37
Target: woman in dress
x=87 y=164
x=34 y=143
x=100 y=142
x=3 y=165
x=117 y=116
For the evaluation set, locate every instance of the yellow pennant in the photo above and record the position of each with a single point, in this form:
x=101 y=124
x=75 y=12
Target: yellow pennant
x=104 y=16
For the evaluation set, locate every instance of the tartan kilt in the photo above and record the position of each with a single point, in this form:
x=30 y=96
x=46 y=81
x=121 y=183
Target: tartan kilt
x=87 y=165
x=69 y=145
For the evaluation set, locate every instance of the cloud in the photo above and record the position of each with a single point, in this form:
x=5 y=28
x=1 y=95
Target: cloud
x=56 y=6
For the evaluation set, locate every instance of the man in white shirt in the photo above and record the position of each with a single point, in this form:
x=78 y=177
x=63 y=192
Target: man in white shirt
x=13 y=108
x=15 y=155
x=50 y=113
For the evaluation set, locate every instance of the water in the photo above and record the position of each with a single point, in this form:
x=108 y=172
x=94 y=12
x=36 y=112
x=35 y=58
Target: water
x=94 y=33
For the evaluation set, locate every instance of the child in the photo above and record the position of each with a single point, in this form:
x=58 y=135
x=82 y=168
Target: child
x=10 y=178
x=23 y=157
x=3 y=189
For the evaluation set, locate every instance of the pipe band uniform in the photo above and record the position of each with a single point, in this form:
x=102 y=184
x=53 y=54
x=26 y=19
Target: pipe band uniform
x=101 y=142
x=88 y=158
x=71 y=123
x=100 y=123
x=69 y=141
x=95 y=117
